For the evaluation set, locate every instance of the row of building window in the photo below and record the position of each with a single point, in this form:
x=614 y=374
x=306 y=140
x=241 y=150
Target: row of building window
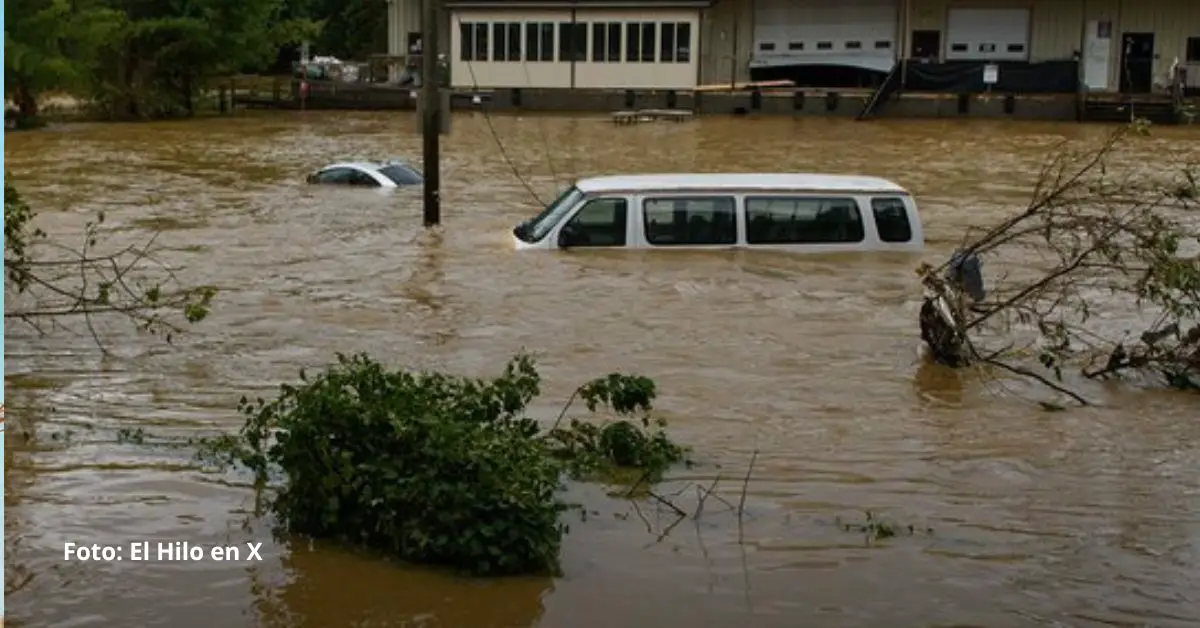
x=713 y=220
x=610 y=42
x=768 y=46
x=883 y=44
x=1013 y=48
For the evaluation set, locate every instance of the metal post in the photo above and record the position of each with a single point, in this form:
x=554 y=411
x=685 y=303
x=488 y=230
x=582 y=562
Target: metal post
x=431 y=112
x=905 y=43
x=733 y=59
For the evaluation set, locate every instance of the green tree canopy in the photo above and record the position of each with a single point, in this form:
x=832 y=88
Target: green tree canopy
x=140 y=58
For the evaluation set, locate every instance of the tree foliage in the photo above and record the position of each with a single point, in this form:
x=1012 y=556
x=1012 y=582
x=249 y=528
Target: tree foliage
x=434 y=468
x=1103 y=242
x=51 y=45
x=139 y=58
x=351 y=30
x=49 y=284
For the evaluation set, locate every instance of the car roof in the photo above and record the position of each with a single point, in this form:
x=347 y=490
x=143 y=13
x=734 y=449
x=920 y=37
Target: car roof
x=736 y=181
x=369 y=165
x=362 y=165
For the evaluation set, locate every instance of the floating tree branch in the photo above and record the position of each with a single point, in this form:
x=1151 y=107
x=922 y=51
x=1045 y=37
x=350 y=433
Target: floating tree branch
x=1099 y=241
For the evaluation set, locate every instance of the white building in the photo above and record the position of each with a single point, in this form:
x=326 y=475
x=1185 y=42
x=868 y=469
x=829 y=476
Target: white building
x=1124 y=45
x=594 y=44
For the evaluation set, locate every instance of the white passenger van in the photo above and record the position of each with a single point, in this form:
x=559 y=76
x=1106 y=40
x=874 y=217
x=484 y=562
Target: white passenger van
x=814 y=213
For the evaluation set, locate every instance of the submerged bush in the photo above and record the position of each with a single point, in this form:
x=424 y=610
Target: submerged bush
x=438 y=469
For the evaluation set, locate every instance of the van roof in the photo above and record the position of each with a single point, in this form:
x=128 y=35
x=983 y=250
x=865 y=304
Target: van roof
x=735 y=181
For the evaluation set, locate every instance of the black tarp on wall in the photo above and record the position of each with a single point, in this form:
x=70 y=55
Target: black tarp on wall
x=966 y=77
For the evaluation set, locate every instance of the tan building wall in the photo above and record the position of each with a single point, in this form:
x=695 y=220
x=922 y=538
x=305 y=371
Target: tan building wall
x=404 y=16
x=727 y=41
x=1171 y=21
x=1056 y=31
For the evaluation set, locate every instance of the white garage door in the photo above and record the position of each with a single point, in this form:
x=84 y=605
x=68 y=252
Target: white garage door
x=858 y=33
x=988 y=34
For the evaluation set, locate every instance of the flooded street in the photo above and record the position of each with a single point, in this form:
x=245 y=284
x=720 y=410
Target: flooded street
x=1083 y=518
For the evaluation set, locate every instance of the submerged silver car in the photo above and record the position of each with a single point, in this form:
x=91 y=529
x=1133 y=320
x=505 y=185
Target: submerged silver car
x=388 y=174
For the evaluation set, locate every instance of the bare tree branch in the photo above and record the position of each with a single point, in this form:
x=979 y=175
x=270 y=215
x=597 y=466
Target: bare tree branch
x=1098 y=241
x=48 y=283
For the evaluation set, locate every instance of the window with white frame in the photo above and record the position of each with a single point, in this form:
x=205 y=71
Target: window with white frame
x=506 y=41
x=676 y=40
x=606 y=42
x=640 y=41
x=473 y=41
x=572 y=41
x=539 y=41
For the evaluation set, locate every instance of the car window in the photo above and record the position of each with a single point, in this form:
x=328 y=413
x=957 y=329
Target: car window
x=802 y=220
x=602 y=222
x=891 y=220
x=335 y=175
x=541 y=224
x=402 y=175
x=671 y=221
x=358 y=177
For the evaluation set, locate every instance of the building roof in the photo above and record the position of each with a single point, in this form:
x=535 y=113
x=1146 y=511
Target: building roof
x=748 y=181
x=577 y=4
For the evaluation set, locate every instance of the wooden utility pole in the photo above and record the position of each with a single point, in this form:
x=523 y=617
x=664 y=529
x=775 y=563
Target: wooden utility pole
x=431 y=111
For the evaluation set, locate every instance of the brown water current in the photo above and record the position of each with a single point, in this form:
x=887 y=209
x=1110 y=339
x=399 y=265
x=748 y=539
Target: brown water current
x=1080 y=518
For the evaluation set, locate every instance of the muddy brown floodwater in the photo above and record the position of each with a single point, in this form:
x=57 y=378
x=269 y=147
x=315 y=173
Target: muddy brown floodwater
x=1089 y=517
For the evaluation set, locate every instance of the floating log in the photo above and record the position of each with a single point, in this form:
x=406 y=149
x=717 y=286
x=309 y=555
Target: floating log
x=741 y=87
x=650 y=115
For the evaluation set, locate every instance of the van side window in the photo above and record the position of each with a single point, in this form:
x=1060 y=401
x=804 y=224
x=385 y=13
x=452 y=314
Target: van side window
x=679 y=221
x=802 y=220
x=601 y=222
x=891 y=219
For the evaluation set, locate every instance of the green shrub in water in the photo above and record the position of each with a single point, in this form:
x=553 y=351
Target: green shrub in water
x=438 y=469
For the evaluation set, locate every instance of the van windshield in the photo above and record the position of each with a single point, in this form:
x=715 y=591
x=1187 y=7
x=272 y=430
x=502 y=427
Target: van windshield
x=537 y=227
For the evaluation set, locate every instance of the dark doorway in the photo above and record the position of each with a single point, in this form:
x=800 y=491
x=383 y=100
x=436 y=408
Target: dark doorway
x=926 y=45
x=1137 y=63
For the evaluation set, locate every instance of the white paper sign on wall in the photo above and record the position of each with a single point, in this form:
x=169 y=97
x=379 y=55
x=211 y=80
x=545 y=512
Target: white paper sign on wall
x=991 y=74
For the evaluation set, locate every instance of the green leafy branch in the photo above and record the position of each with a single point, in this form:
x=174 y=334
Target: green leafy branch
x=435 y=468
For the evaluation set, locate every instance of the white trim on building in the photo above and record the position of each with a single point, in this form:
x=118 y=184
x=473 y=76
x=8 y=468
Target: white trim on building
x=856 y=33
x=584 y=48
